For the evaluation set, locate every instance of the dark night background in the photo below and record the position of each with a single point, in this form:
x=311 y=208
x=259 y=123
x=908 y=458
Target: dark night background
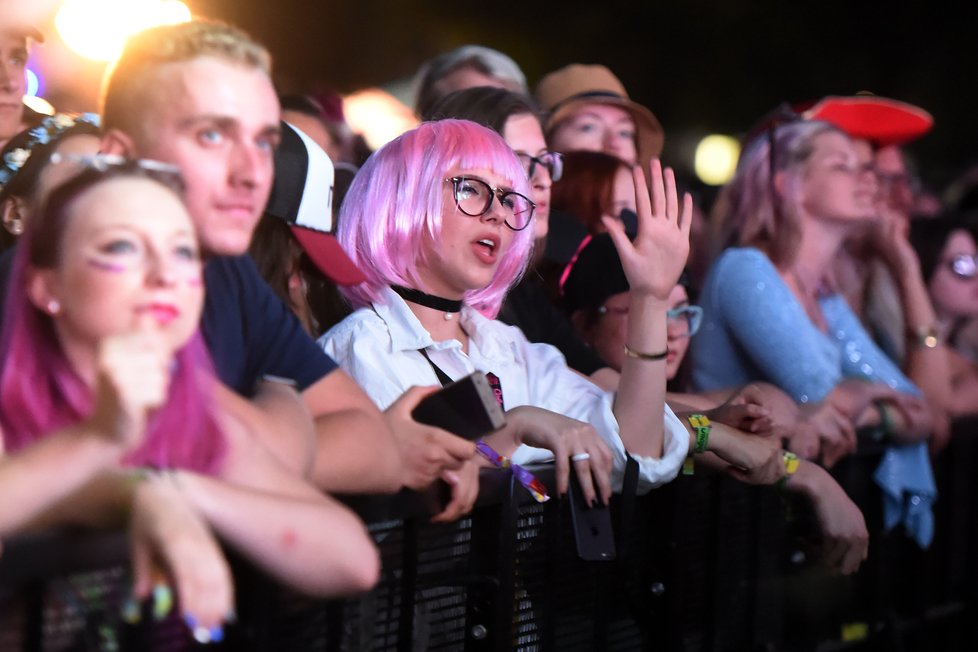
x=700 y=66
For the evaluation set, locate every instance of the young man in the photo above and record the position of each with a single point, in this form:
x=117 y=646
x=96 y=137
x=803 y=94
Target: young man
x=14 y=116
x=199 y=95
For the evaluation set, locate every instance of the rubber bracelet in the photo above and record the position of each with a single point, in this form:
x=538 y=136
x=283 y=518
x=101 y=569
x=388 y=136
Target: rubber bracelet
x=701 y=427
x=638 y=355
x=791 y=463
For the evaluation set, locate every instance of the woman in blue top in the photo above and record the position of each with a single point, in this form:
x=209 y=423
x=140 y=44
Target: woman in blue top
x=770 y=315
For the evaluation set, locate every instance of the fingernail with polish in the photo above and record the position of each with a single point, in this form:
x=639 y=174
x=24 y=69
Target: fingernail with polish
x=202 y=634
x=130 y=611
x=162 y=601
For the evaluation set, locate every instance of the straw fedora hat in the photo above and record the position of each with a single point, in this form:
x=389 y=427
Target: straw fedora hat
x=563 y=91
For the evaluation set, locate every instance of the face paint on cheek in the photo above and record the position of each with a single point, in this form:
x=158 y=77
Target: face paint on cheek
x=106 y=266
x=195 y=281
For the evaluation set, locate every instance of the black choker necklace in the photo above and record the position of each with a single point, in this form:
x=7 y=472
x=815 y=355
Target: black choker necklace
x=447 y=306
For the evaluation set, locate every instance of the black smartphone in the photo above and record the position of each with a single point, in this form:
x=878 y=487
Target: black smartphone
x=467 y=408
x=592 y=525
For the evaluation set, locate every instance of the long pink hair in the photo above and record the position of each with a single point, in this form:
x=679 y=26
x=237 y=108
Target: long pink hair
x=396 y=200
x=40 y=392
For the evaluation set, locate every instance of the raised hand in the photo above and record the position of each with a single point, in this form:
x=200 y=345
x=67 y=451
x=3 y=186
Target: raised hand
x=655 y=259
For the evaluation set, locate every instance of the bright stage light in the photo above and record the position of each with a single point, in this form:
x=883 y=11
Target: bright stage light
x=39 y=104
x=716 y=159
x=377 y=115
x=97 y=29
x=33 y=83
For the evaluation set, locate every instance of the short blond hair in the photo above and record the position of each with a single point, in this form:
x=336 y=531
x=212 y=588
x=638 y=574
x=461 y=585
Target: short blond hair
x=125 y=90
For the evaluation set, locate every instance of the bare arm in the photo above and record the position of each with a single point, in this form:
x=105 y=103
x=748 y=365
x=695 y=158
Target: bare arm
x=652 y=264
x=355 y=447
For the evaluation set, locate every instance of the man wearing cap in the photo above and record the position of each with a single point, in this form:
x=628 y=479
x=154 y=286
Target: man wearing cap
x=14 y=116
x=199 y=95
x=587 y=108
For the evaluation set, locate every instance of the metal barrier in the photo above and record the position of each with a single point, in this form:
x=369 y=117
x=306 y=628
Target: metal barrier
x=704 y=564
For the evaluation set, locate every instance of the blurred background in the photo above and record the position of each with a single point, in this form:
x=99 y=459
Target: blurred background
x=701 y=67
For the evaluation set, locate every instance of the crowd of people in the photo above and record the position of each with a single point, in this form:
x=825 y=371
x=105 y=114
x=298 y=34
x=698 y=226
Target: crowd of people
x=223 y=318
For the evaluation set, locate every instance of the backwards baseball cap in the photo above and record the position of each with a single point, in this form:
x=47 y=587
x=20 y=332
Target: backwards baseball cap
x=880 y=120
x=302 y=195
x=563 y=91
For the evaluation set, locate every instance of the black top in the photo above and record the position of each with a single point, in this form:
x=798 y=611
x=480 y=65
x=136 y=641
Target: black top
x=528 y=307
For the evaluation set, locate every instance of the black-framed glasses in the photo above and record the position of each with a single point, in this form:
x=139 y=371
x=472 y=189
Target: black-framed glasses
x=964 y=266
x=474 y=198
x=553 y=162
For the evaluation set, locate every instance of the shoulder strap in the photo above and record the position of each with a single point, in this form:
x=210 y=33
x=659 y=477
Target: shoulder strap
x=443 y=378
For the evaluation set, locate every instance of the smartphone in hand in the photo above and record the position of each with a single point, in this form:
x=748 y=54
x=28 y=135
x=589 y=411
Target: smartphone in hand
x=467 y=408
x=592 y=525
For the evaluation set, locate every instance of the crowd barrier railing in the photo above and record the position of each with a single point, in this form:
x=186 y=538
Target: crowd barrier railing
x=703 y=564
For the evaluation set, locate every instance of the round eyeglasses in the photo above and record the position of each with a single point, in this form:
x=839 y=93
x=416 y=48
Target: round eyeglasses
x=474 y=198
x=964 y=266
x=553 y=162
x=687 y=318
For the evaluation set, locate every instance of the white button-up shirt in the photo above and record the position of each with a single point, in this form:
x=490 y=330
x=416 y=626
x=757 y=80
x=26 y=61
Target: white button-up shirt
x=379 y=347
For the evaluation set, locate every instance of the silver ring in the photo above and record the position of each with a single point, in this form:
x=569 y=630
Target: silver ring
x=580 y=457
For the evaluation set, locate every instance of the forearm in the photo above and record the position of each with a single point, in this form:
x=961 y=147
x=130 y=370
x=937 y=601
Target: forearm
x=355 y=448
x=279 y=419
x=313 y=544
x=640 y=402
x=355 y=453
x=927 y=366
x=688 y=402
x=42 y=484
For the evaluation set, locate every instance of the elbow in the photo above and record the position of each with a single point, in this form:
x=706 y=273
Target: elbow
x=358 y=572
x=365 y=575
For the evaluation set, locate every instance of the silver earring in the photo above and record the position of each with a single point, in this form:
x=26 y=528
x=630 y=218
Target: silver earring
x=54 y=307
x=17 y=227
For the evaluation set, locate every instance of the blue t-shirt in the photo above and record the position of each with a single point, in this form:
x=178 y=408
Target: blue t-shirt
x=249 y=331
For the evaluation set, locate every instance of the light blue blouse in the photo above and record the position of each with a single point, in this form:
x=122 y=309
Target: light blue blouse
x=755 y=329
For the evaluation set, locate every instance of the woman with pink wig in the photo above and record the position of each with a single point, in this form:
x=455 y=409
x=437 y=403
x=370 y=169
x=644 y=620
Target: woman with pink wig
x=438 y=222
x=106 y=412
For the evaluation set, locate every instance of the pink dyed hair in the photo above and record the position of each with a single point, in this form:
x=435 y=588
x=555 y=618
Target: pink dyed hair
x=749 y=212
x=395 y=201
x=40 y=392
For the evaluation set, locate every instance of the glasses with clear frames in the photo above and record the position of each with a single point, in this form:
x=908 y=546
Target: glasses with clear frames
x=688 y=318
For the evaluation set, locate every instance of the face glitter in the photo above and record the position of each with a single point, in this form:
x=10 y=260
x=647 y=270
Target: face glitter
x=106 y=266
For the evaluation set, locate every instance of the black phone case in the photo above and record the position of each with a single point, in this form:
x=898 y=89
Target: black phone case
x=592 y=526
x=466 y=408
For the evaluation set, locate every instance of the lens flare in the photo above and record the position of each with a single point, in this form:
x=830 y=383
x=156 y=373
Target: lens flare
x=97 y=29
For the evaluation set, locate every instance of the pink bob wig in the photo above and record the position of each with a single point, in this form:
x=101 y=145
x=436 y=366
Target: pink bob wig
x=40 y=392
x=396 y=202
